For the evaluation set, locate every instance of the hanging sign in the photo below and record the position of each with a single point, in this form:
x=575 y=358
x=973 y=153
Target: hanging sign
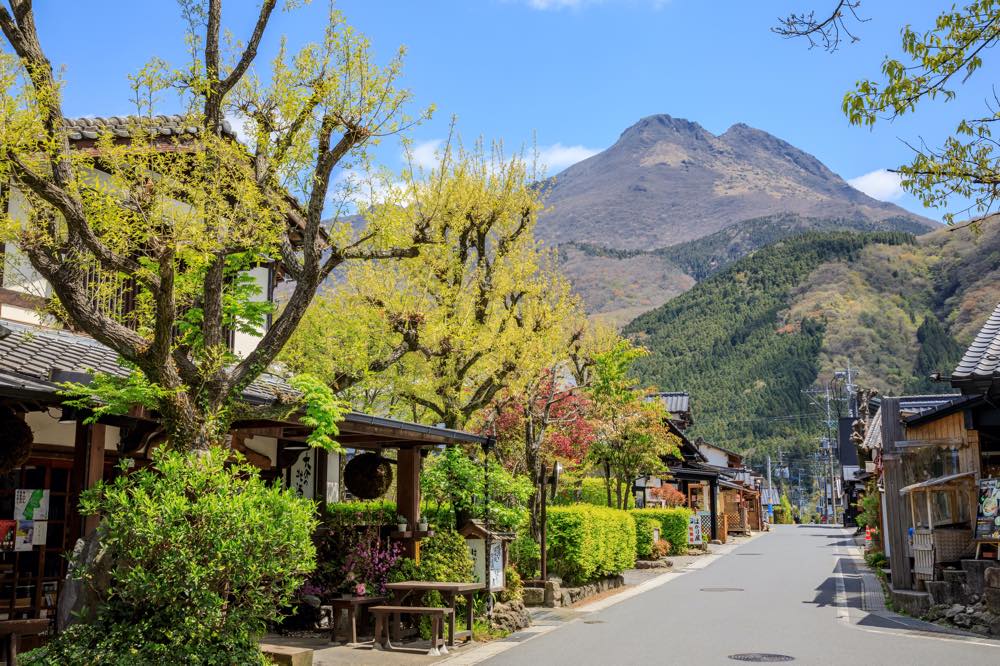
x=988 y=511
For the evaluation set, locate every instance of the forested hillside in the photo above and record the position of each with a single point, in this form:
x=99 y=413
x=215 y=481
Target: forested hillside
x=726 y=342
x=619 y=284
x=749 y=339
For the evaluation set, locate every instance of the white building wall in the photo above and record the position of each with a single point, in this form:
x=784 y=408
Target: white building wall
x=244 y=343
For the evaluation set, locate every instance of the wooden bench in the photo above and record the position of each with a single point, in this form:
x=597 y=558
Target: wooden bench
x=437 y=615
x=351 y=605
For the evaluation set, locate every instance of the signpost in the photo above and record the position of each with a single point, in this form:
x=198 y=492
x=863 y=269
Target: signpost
x=694 y=530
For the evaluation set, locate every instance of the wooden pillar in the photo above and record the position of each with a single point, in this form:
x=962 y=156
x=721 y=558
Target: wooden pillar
x=408 y=493
x=88 y=465
x=895 y=508
x=320 y=477
x=713 y=500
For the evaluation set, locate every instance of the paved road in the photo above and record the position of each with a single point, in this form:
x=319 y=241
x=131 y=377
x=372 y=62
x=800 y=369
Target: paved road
x=790 y=604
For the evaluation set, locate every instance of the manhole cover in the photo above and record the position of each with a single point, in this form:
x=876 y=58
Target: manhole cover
x=593 y=621
x=761 y=657
x=722 y=589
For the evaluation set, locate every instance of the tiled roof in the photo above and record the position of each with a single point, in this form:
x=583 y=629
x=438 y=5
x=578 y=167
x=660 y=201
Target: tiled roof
x=982 y=359
x=173 y=125
x=30 y=355
x=676 y=402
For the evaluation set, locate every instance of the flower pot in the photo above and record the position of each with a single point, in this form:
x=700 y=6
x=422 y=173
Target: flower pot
x=401 y=527
x=422 y=527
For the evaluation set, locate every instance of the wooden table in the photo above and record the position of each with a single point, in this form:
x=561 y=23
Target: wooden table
x=351 y=605
x=11 y=632
x=450 y=592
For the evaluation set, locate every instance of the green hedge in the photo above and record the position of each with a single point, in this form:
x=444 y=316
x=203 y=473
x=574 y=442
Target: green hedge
x=591 y=490
x=374 y=512
x=587 y=542
x=673 y=526
x=644 y=526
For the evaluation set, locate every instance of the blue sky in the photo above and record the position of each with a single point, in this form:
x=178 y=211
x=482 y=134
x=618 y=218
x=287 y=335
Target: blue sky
x=572 y=73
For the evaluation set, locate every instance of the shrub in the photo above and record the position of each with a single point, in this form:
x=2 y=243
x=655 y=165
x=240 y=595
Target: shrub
x=525 y=554
x=644 y=542
x=661 y=548
x=673 y=526
x=514 y=590
x=202 y=555
x=356 y=514
x=876 y=560
x=587 y=542
x=591 y=490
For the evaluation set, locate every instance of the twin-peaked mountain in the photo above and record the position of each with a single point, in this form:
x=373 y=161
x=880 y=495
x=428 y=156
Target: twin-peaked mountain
x=669 y=181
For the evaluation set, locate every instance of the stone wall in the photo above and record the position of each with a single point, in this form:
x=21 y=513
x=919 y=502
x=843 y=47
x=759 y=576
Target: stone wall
x=554 y=595
x=967 y=598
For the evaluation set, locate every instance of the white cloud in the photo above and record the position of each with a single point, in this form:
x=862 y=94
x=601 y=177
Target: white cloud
x=557 y=157
x=427 y=154
x=880 y=184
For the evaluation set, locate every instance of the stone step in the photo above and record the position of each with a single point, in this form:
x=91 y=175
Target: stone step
x=286 y=655
x=976 y=572
x=959 y=576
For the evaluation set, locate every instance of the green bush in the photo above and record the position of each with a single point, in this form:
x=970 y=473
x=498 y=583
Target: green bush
x=591 y=490
x=587 y=542
x=673 y=526
x=877 y=560
x=525 y=555
x=644 y=526
x=202 y=554
x=353 y=514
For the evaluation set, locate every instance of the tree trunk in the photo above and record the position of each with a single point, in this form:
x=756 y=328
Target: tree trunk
x=607 y=480
x=618 y=491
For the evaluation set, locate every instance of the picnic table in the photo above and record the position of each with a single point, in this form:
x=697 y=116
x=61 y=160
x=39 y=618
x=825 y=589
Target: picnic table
x=335 y=606
x=450 y=592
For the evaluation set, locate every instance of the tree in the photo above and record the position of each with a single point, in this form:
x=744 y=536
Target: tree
x=484 y=308
x=632 y=432
x=547 y=421
x=938 y=60
x=179 y=216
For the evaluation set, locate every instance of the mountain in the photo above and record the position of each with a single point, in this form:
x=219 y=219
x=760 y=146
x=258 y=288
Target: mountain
x=670 y=202
x=749 y=339
x=668 y=180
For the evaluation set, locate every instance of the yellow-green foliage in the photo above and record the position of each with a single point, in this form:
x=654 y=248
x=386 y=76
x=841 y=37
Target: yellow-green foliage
x=644 y=526
x=591 y=490
x=587 y=542
x=674 y=526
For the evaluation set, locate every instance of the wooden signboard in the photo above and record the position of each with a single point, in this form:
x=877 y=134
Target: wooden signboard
x=988 y=512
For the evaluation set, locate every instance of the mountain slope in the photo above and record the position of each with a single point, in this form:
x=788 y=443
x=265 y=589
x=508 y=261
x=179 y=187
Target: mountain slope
x=747 y=341
x=620 y=284
x=668 y=180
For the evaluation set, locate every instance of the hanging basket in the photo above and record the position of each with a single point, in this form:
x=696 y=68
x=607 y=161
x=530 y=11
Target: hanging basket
x=368 y=476
x=18 y=439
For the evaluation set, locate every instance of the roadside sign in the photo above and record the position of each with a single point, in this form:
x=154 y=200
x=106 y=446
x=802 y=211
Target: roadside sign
x=694 y=529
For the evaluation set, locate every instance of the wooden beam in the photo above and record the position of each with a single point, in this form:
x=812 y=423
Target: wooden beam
x=408 y=493
x=916 y=443
x=88 y=466
x=895 y=509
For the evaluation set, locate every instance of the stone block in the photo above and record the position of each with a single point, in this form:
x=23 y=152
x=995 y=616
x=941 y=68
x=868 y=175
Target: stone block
x=553 y=594
x=976 y=573
x=991 y=577
x=955 y=575
x=992 y=599
x=943 y=592
x=534 y=596
x=286 y=655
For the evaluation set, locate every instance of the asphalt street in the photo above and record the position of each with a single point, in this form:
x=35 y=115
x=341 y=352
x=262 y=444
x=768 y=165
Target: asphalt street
x=795 y=591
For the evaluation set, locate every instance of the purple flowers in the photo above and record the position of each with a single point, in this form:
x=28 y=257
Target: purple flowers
x=368 y=564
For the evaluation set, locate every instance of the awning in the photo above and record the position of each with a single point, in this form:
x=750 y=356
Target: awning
x=951 y=479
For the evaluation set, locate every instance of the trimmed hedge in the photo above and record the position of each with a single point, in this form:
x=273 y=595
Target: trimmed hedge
x=372 y=512
x=644 y=526
x=587 y=542
x=673 y=526
x=590 y=491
